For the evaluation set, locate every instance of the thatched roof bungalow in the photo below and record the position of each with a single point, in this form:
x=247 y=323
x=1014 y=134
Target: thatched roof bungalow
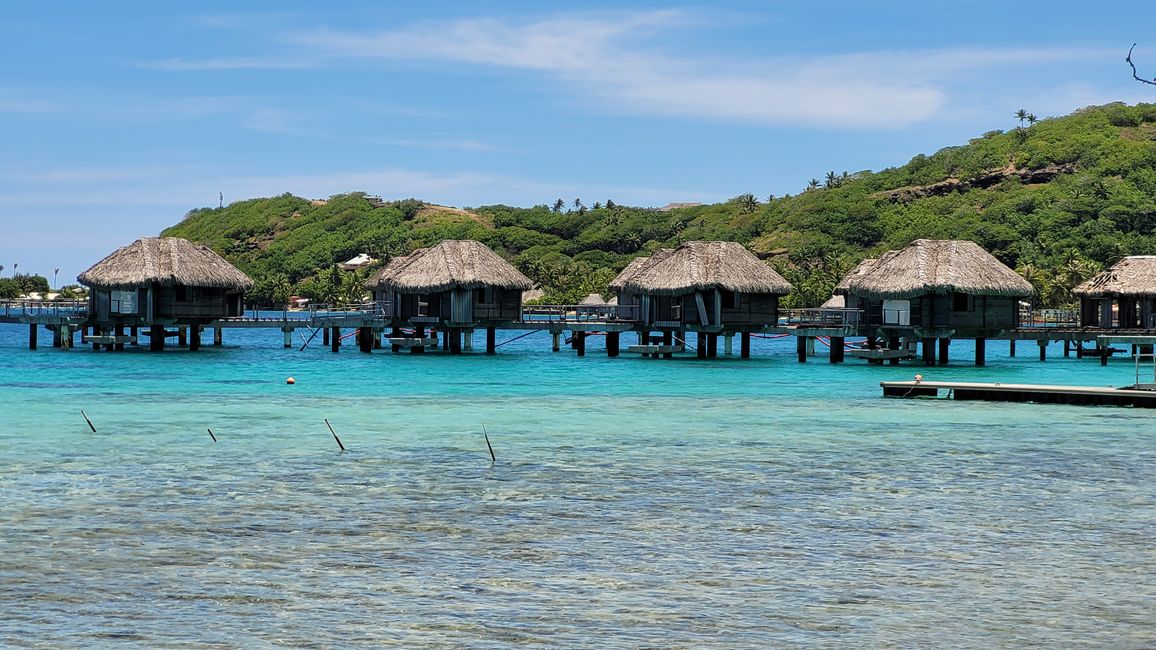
x=938 y=285
x=1121 y=297
x=705 y=286
x=157 y=280
x=455 y=284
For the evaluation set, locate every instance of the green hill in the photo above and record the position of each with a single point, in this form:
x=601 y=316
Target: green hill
x=1056 y=198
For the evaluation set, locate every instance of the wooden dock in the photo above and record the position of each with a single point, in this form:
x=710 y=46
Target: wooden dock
x=1036 y=393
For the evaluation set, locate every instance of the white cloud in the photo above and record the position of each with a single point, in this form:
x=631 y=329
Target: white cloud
x=602 y=56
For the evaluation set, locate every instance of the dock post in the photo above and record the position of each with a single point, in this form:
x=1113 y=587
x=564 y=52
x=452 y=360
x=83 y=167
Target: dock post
x=157 y=338
x=893 y=344
x=324 y=335
x=218 y=336
x=729 y=344
x=96 y=331
x=944 y=344
x=288 y=331
x=365 y=339
x=492 y=340
x=801 y=348
x=454 y=342
x=65 y=337
x=712 y=346
x=612 y=344
x=668 y=339
x=928 y=346
x=579 y=342
x=378 y=338
x=557 y=343
x=1104 y=353
x=1043 y=343
x=468 y=340
x=32 y=336
x=837 y=349
x=980 y=351
x=1011 y=348
x=700 y=344
x=335 y=339
x=120 y=332
x=418 y=332
x=644 y=339
x=396 y=333
x=182 y=337
x=745 y=345
x=56 y=336
x=194 y=338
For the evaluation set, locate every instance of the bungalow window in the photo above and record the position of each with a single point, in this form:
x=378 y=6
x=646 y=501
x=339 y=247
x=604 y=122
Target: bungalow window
x=730 y=299
x=181 y=293
x=422 y=305
x=484 y=295
x=962 y=302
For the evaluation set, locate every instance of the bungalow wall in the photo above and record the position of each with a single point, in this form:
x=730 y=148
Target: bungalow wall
x=949 y=311
x=145 y=305
x=714 y=308
x=1124 y=312
x=463 y=306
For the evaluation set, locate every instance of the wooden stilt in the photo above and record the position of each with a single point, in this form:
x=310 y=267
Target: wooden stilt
x=96 y=331
x=579 y=342
x=668 y=339
x=893 y=344
x=365 y=339
x=419 y=332
x=928 y=352
x=1011 y=348
x=700 y=344
x=324 y=335
x=468 y=340
x=712 y=346
x=644 y=339
x=288 y=332
x=395 y=334
x=837 y=349
x=492 y=340
x=729 y=344
x=56 y=336
x=557 y=341
x=980 y=351
x=32 y=336
x=182 y=337
x=157 y=338
x=194 y=338
x=801 y=348
x=218 y=336
x=944 y=346
x=612 y=344
x=454 y=343
x=1043 y=343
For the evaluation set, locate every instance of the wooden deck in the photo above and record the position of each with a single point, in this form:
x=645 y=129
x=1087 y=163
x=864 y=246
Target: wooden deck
x=1037 y=393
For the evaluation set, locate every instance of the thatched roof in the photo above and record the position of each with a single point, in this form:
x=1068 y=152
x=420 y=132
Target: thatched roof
x=635 y=266
x=452 y=264
x=595 y=300
x=533 y=294
x=933 y=266
x=835 y=302
x=698 y=265
x=164 y=261
x=862 y=268
x=1131 y=276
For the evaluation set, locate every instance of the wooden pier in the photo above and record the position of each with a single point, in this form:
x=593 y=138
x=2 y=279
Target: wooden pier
x=1036 y=393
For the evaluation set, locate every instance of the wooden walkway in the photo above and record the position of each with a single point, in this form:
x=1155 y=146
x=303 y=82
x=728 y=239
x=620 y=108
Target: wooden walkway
x=1037 y=393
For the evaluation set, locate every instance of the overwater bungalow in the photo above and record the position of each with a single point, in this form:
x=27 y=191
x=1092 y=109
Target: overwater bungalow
x=937 y=289
x=162 y=281
x=708 y=287
x=453 y=286
x=1121 y=297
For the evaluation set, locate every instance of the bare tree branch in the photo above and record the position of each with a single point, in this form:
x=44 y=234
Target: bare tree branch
x=1134 y=75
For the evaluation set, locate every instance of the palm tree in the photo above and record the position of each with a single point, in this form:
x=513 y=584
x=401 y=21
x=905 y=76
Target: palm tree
x=1032 y=119
x=832 y=180
x=1021 y=115
x=558 y=205
x=814 y=184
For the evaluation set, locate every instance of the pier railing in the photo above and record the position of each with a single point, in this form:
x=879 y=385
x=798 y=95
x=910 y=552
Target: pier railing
x=1060 y=318
x=26 y=308
x=580 y=313
x=823 y=317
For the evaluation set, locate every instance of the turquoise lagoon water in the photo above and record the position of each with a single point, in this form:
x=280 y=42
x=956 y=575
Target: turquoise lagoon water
x=634 y=502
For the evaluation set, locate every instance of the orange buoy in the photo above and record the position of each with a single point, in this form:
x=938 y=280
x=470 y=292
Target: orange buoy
x=290 y=381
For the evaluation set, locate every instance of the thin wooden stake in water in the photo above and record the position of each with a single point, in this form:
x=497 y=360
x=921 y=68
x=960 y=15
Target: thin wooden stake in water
x=491 y=447
x=89 y=422
x=334 y=434
x=211 y=434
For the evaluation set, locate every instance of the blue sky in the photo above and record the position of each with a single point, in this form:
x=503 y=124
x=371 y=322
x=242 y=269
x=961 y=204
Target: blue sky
x=117 y=118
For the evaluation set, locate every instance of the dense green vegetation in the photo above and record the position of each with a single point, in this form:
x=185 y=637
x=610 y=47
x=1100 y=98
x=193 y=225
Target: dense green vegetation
x=1057 y=199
